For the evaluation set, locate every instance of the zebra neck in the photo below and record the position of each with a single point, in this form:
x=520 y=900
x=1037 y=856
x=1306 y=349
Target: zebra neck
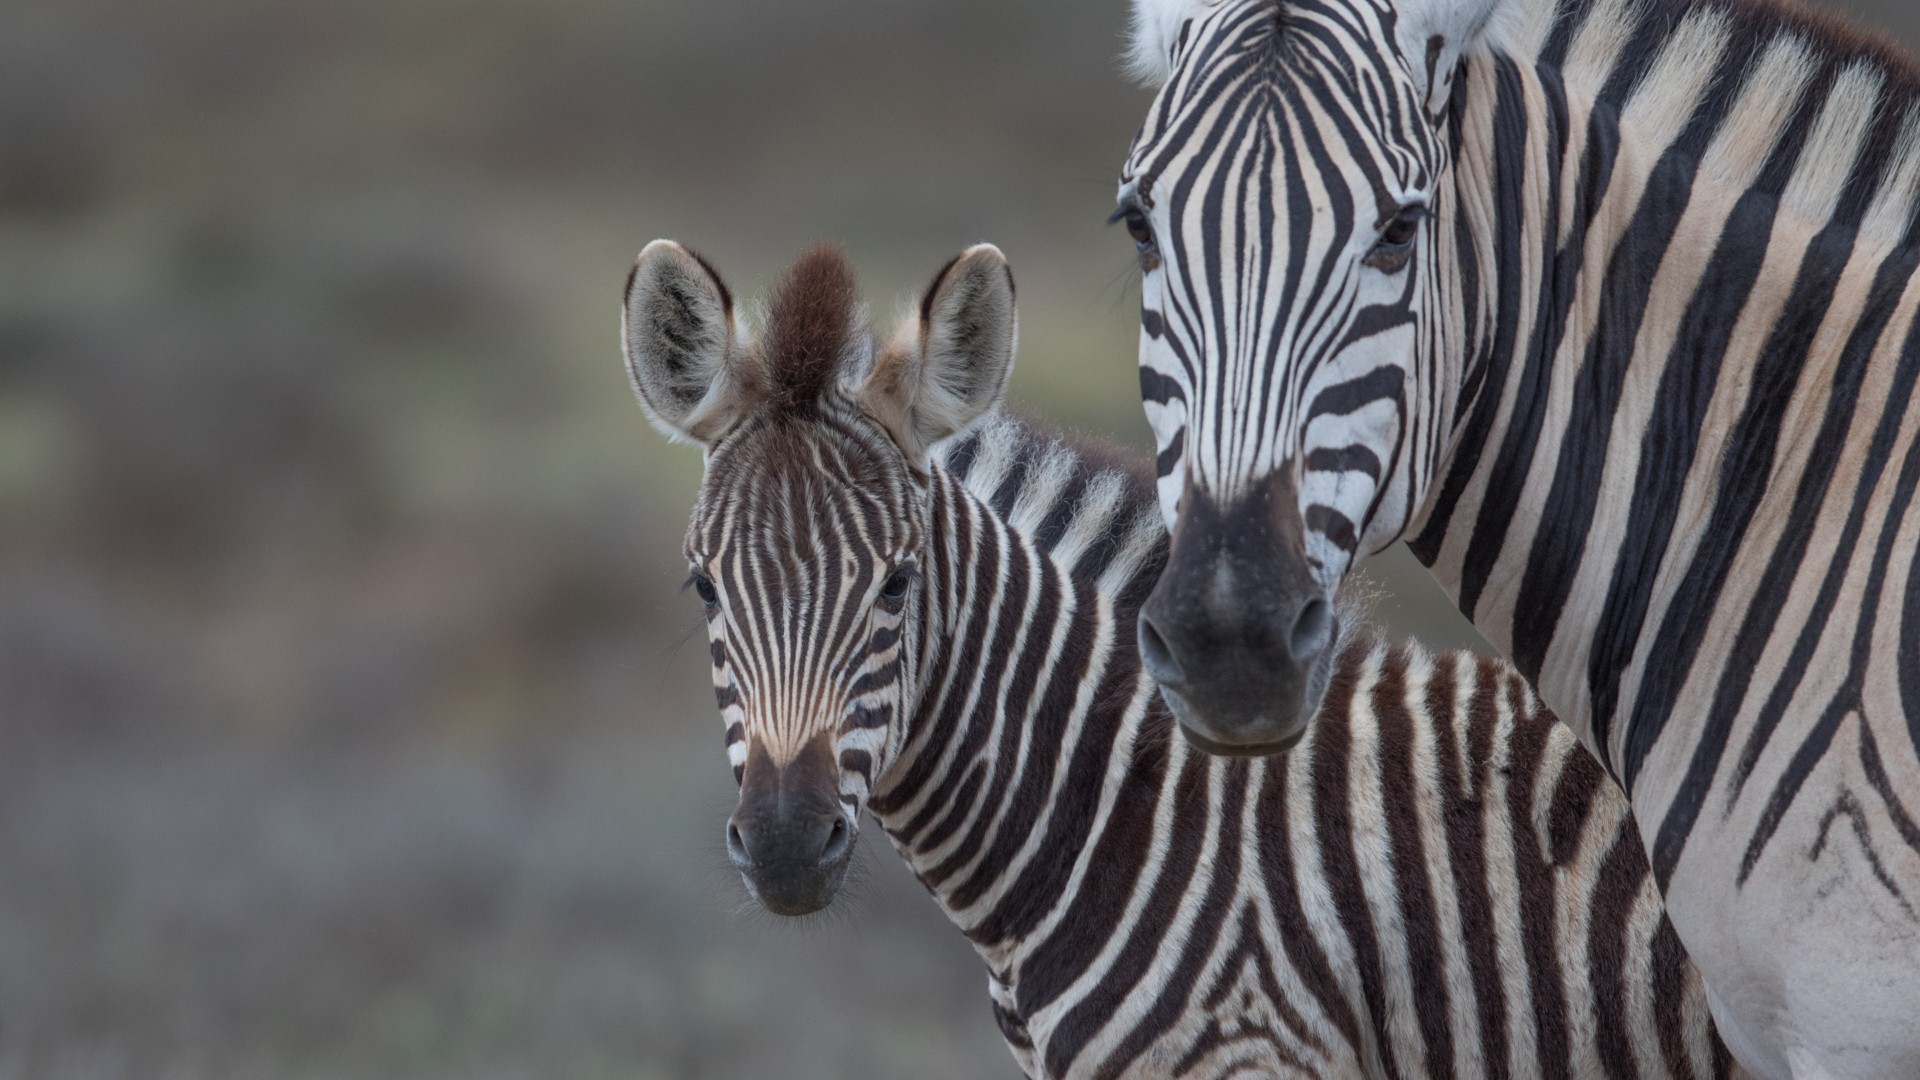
x=1030 y=688
x=1663 y=207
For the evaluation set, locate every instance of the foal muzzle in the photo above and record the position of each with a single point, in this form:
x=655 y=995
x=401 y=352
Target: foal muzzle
x=790 y=837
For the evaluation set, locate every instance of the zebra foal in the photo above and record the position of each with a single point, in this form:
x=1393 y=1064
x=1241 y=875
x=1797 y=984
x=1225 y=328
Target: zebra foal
x=925 y=611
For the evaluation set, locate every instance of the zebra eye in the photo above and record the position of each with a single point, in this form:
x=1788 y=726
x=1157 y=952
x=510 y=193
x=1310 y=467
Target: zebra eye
x=703 y=587
x=1141 y=230
x=1395 y=248
x=895 y=587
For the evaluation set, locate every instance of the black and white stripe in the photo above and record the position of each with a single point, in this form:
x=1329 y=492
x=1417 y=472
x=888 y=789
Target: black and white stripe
x=1437 y=883
x=1641 y=394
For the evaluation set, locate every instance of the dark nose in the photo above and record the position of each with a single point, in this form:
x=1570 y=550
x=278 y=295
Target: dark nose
x=761 y=843
x=789 y=837
x=1238 y=631
x=1308 y=629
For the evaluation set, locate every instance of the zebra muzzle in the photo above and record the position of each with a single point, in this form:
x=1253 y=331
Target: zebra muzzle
x=1238 y=631
x=788 y=837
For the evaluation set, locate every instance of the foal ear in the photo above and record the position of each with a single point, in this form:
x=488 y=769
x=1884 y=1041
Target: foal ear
x=685 y=354
x=949 y=365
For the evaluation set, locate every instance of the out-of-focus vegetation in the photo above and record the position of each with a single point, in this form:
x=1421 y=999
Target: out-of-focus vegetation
x=349 y=723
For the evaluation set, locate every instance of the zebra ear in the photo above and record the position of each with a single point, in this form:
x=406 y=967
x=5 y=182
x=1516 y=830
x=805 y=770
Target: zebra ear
x=686 y=354
x=948 y=366
x=1158 y=30
x=1435 y=34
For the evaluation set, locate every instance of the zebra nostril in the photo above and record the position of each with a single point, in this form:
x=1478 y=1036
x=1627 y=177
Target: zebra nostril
x=1156 y=657
x=737 y=848
x=839 y=843
x=1311 y=631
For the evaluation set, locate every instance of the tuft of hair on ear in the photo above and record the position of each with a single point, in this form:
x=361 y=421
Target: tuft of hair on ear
x=1153 y=33
x=685 y=352
x=813 y=324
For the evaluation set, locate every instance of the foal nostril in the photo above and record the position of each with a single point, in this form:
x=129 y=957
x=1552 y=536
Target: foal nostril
x=737 y=847
x=1156 y=657
x=839 y=843
x=1311 y=631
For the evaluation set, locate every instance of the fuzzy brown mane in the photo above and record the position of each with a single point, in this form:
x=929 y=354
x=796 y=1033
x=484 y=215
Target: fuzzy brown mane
x=1842 y=35
x=1843 y=38
x=812 y=321
x=1838 y=38
x=1097 y=452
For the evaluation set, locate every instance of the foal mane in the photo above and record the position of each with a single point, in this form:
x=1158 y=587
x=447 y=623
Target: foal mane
x=813 y=325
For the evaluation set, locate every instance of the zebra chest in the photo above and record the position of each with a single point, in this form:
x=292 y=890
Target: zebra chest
x=1191 y=1014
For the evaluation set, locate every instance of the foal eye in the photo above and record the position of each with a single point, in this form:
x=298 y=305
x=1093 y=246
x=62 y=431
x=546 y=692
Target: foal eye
x=1395 y=248
x=703 y=587
x=895 y=587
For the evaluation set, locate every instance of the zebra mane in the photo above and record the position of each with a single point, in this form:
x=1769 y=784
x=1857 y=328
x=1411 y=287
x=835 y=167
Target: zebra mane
x=1009 y=452
x=813 y=326
x=1852 y=94
x=1027 y=442
x=1834 y=39
x=1837 y=35
x=1043 y=482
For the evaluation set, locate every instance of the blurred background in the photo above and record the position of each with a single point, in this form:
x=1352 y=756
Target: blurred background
x=350 y=722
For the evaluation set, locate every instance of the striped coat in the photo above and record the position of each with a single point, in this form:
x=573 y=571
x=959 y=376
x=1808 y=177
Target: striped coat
x=923 y=616
x=1437 y=882
x=1611 y=309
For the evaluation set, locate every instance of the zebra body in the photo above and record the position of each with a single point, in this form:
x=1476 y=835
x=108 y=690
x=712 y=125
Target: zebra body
x=1437 y=882
x=1608 y=306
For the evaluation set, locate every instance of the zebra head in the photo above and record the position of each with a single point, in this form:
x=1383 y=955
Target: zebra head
x=808 y=542
x=1282 y=194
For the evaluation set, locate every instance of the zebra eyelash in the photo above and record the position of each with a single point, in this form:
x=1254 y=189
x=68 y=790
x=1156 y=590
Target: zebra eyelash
x=906 y=574
x=1132 y=211
x=702 y=585
x=1413 y=213
x=1392 y=250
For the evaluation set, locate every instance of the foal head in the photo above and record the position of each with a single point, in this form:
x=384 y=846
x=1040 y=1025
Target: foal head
x=810 y=533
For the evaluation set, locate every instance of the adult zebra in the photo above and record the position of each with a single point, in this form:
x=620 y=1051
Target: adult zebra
x=1608 y=306
x=1439 y=883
